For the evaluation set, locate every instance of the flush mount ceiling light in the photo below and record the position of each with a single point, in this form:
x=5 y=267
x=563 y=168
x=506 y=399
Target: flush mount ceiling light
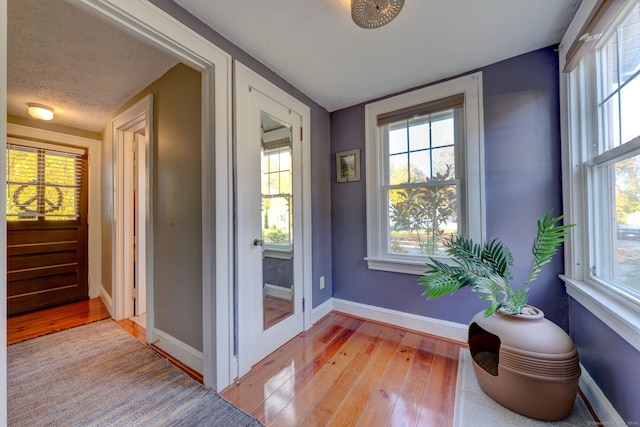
x=39 y=111
x=374 y=13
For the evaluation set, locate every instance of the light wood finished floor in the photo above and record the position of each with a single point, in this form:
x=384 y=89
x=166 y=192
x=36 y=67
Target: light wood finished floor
x=342 y=372
x=36 y=323
x=351 y=372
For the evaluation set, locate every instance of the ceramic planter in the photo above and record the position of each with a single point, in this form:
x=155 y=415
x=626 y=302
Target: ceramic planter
x=526 y=363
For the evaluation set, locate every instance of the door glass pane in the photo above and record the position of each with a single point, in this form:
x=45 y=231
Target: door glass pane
x=277 y=220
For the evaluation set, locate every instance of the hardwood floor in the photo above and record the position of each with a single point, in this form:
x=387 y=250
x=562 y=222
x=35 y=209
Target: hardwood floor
x=342 y=372
x=34 y=324
x=350 y=372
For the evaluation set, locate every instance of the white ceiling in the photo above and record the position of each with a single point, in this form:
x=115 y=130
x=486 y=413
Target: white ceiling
x=85 y=69
x=315 y=46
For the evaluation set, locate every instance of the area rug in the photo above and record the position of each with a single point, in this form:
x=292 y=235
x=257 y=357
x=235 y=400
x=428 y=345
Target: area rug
x=474 y=408
x=99 y=375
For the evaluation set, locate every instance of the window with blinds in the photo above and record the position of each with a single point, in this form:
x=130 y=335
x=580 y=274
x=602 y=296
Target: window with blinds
x=424 y=173
x=421 y=183
x=43 y=181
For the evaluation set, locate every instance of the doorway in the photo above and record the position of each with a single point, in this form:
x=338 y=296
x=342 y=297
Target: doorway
x=272 y=217
x=132 y=141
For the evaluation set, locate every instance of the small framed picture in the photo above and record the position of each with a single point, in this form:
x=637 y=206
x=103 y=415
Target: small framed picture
x=348 y=165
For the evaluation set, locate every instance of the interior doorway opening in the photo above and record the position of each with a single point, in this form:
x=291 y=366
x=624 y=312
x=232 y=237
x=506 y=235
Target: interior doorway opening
x=132 y=141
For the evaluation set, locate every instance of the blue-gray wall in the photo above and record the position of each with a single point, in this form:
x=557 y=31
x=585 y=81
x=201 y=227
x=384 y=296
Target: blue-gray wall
x=610 y=360
x=522 y=177
x=320 y=190
x=522 y=180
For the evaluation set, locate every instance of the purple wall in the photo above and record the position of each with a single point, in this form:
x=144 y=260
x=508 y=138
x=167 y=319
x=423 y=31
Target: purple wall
x=522 y=167
x=522 y=180
x=320 y=191
x=611 y=361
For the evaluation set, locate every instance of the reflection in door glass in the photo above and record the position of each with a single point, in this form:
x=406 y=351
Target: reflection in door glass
x=277 y=220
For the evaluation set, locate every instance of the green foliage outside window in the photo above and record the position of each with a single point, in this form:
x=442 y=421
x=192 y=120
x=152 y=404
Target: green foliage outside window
x=418 y=215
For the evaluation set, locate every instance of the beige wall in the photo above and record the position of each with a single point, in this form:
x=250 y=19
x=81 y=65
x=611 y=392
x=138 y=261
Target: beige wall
x=177 y=203
x=39 y=124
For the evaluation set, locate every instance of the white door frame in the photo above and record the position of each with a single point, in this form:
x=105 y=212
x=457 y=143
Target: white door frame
x=142 y=192
x=136 y=119
x=151 y=25
x=3 y=213
x=246 y=80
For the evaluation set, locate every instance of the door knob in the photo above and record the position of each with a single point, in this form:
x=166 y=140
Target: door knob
x=257 y=242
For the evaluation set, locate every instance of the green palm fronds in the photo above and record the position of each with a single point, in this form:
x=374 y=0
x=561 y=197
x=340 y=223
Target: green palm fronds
x=486 y=268
x=546 y=243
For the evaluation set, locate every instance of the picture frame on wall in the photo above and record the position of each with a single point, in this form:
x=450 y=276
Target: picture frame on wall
x=348 y=165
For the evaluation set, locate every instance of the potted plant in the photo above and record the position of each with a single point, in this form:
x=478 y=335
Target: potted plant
x=522 y=360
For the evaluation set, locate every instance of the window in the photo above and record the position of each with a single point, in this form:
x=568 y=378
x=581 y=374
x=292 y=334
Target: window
x=602 y=169
x=613 y=160
x=424 y=173
x=43 y=181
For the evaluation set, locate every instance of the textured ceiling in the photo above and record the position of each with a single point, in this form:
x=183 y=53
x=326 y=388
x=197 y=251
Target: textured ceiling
x=315 y=46
x=82 y=67
x=85 y=69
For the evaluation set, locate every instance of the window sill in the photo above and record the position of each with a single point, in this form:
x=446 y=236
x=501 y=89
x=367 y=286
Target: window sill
x=619 y=311
x=396 y=266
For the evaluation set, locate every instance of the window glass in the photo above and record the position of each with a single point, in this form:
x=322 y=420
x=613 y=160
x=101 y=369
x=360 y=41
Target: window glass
x=626 y=263
x=422 y=187
x=42 y=183
x=614 y=169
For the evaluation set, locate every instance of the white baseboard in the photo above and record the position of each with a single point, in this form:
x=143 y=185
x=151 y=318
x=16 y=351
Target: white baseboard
x=322 y=310
x=106 y=300
x=605 y=411
x=278 y=291
x=176 y=348
x=427 y=325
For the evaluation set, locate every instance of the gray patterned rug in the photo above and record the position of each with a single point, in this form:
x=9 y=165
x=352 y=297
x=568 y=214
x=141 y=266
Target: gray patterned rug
x=474 y=408
x=99 y=375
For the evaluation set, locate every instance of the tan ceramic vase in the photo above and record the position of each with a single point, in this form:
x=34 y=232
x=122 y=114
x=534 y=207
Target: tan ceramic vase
x=526 y=363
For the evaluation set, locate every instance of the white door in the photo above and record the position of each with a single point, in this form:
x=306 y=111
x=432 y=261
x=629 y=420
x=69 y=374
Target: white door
x=269 y=228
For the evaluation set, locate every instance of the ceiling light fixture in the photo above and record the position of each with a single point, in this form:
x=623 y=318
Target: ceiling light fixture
x=39 y=111
x=374 y=13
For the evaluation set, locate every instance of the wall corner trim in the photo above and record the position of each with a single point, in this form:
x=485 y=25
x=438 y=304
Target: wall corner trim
x=605 y=411
x=322 y=310
x=428 y=325
x=106 y=300
x=186 y=354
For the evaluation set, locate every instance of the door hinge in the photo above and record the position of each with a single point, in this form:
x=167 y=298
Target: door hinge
x=302 y=304
x=133 y=293
x=301 y=133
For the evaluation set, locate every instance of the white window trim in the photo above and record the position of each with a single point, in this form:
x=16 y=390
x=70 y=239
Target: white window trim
x=618 y=310
x=471 y=86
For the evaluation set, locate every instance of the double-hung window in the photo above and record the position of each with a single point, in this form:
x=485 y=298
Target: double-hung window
x=602 y=164
x=424 y=173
